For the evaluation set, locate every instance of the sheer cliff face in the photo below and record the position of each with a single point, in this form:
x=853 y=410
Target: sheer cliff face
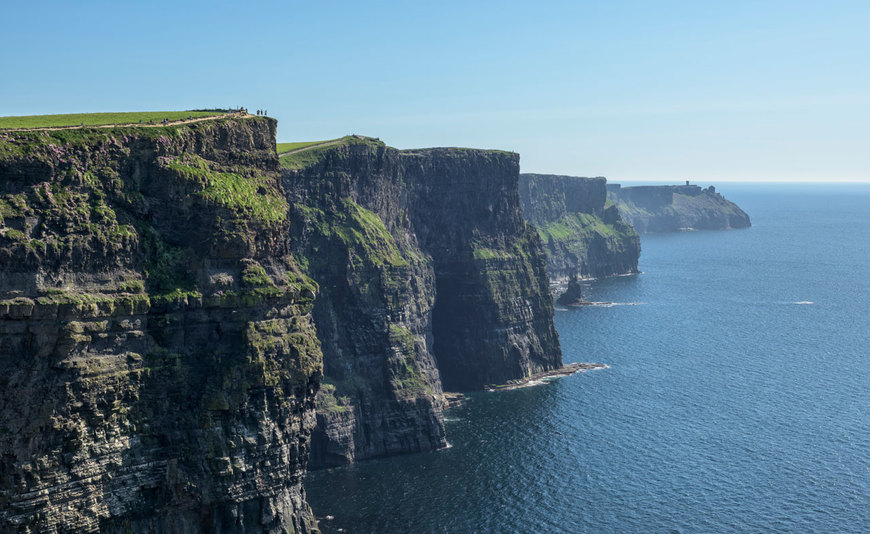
x=492 y=319
x=583 y=234
x=428 y=274
x=671 y=208
x=382 y=391
x=158 y=361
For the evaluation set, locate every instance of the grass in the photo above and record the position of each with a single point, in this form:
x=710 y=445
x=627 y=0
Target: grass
x=406 y=378
x=484 y=253
x=306 y=158
x=289 y=147
x=363 y=232
x=327 y=400
x=250 y=196
x=99 y=119
x=575 y=226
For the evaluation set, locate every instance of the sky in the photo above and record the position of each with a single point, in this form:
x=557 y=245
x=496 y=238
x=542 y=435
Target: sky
x=655 y=90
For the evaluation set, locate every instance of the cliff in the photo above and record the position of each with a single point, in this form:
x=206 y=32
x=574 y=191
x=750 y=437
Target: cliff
x=493 y=315
x=429 y=276
x=671 y=208
x=163 y=339
x=381 y=392
x=582 y=232
x=158 y=361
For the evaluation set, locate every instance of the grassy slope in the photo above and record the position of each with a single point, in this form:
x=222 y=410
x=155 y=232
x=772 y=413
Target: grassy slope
x=99 y=119
x=287 y=147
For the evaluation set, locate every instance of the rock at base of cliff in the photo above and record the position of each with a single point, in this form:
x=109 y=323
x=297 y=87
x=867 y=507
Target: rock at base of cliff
x=573 y=296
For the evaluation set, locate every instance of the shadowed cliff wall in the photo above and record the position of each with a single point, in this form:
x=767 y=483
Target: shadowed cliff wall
x=493 y=312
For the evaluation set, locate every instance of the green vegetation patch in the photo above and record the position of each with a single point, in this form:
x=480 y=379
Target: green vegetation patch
x=402 y=338
x=253 y=195
x=100 y=119
x=405 y=374
x=176 y=295
x=577 y=226
x=485 y=253
x=360 y=230
x=284 y=349
x=634 y=210
x=327 y=400
x=94 y=304
x=254 y=275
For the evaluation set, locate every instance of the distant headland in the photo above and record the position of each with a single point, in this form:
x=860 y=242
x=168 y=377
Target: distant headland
x=673 y=208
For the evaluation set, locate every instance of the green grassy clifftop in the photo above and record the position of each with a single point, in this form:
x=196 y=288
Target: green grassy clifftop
x=101 y=119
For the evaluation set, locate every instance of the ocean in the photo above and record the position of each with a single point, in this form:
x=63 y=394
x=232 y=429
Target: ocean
x=737 y=397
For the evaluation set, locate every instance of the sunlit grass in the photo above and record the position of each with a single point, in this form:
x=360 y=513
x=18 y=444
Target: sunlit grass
x=100 y=119
x=288 y=147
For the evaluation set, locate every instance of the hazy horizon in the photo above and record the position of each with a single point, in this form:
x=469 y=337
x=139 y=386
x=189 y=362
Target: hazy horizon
x=635 y=91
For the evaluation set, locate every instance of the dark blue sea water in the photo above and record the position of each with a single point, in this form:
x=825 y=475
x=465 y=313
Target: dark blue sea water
x=737 y=399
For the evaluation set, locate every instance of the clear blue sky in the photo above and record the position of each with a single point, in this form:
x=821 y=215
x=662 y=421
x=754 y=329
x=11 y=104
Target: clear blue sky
x=632 y=90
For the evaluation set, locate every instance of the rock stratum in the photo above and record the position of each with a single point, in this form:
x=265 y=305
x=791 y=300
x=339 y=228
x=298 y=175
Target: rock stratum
x=673 y=208
x=582 y=232
x=172 y=298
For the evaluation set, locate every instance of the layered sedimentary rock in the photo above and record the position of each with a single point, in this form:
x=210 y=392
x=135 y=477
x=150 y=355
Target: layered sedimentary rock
x=160 y=340
x=158 y=362
x=582 y=232
x=382 y=391
x=428 y=274
x=671 y=208
x=493 y=312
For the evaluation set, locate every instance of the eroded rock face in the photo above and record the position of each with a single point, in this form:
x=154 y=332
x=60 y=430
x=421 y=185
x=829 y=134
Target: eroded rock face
x=159 y=364
x=671 y=208
x=428 y=275
x=493 y=312
x=158 y=361
x=583 y=234
x=382 y=392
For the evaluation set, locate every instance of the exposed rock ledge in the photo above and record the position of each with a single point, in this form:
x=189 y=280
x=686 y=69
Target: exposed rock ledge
x=546 y=376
